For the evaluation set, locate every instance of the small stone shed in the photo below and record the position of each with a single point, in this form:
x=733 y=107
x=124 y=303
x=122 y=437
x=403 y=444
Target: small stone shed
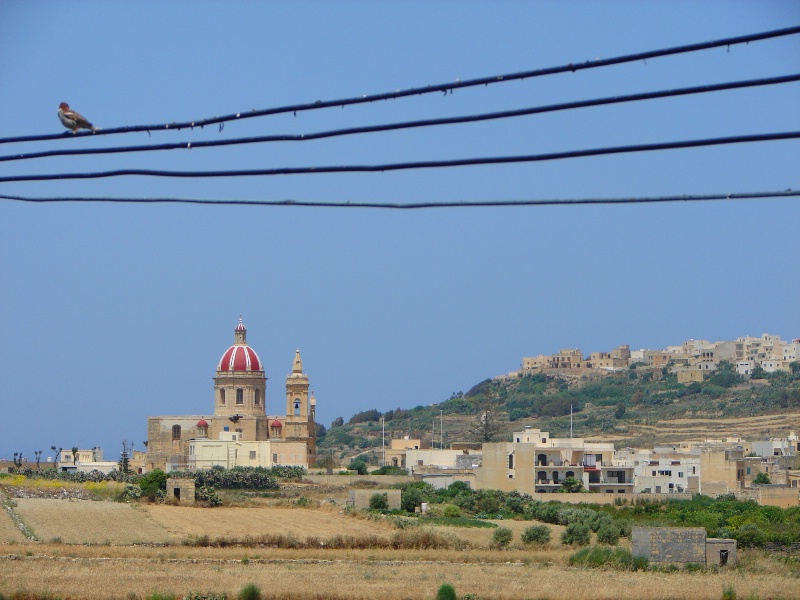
x=360 y=498
x=682 y=545
x=180 y=490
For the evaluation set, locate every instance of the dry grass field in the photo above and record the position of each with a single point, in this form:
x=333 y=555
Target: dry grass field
x=127 y=572
x=120 y=551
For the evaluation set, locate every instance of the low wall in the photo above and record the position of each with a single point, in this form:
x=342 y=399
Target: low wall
x=591 y=498
x=354 y=479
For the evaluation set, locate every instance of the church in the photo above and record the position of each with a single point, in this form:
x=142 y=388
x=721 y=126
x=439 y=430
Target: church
x=239 y=432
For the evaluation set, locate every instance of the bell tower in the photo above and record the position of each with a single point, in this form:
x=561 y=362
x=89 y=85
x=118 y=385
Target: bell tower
x=297 y=390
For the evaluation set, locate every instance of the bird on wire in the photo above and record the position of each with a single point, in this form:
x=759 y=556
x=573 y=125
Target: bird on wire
x=73 y=120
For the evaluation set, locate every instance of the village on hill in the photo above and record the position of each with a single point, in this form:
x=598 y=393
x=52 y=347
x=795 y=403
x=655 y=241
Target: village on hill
x=238 y=432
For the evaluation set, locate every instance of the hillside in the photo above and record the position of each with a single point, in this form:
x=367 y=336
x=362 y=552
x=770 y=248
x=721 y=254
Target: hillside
x=638 y=407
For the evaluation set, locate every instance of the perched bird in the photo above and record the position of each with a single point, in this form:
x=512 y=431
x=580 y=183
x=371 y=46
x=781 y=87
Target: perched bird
x=72 y=120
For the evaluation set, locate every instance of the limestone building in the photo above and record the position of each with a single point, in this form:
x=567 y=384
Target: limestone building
x=239 y=432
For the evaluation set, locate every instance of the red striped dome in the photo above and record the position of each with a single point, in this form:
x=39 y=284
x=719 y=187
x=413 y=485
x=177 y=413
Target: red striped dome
x=239 y=358
x=276 y=423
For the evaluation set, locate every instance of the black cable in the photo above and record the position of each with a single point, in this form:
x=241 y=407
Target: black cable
x=415 y=124
x=418 y=205
x=739 y=139
x=441 y=88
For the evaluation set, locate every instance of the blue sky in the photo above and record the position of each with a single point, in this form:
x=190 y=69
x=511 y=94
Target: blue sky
x=111 y=313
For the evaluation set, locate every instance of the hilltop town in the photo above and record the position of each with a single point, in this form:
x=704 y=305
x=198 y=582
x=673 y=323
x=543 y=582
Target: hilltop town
x=495 y=435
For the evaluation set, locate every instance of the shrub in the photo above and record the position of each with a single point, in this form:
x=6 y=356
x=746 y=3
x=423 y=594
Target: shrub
x=576 y=534
x=616 y=558
x=359 y=466
x=538 y=534
x=250 y=592
x=208 y=494
x=379 y=502
x=411 y=498
x=446 y=592
x=608 y=534
x=451 y=511
x=750 y=534
x=502 y=537
x=729 y=593
x=152 y=482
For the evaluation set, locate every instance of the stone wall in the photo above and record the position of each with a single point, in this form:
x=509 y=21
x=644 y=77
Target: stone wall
x=360 y=498
x=670 y=544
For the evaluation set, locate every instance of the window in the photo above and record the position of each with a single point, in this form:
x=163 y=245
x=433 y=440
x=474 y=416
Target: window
x=257 y=400
x=252 y=454
x=680 y=475
x=275 y=459
x=239 y=396
x=176 y=432
x=297 y=406
x=222 y=396
x=510 y=462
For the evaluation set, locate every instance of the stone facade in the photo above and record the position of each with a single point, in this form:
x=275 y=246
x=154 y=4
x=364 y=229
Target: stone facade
x=180 y=490
x=239 y=415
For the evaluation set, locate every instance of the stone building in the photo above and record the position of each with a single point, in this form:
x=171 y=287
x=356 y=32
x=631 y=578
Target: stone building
x=239 y=431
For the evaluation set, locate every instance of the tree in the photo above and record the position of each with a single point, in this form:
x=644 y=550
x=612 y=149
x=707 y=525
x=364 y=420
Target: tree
x=74 y=455
x=762 y=479
x=123 y=464
x=758 y=372
x=379 y=501
x=337 y=422
x=327 y=462
x=152 y=482
x=487 y=426
x=795 y=367
x=571 y=485
x=359 y=466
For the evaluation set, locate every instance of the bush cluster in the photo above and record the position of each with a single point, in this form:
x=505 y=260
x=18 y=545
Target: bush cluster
x=616 y=558
x=411 y=539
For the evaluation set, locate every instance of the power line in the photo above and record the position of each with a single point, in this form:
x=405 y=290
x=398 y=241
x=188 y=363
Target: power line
x=418 y=91
x=417 y=205
x=463 y=162
x=414 y=124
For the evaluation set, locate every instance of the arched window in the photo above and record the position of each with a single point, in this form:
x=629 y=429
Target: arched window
x=176 y=432
x=257 y=400
x=239 y=396
x=555 y=476
x=297 y=406
x=222 y=396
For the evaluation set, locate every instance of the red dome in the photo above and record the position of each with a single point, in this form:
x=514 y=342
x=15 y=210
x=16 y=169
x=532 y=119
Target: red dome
x=239 y=358
x=202 y=423
x=276 y=423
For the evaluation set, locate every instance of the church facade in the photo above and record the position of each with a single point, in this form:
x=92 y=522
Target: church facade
x=239 y=432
